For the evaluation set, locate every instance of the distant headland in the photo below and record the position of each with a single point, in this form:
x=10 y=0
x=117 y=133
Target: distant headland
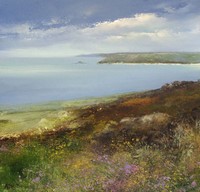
x=152 y=58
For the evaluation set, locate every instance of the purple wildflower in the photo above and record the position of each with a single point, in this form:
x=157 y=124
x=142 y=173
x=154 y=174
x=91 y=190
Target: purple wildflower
x=104 y=159
x=131 y=169
x=164 y=178
x=114 y=185
x=193 y=184
x=162 y=181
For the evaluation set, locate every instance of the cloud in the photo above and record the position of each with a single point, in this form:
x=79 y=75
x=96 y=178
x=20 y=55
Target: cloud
x=90 y=11
x=137 y=23
x=141 y=32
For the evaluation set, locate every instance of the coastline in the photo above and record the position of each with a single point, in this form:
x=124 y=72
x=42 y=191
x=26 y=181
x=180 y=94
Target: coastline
x=37 y=118
x=137 y=128
x=122 y=63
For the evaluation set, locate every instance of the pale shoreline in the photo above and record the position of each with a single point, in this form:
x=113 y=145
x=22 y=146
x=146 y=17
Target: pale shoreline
x=121 y=63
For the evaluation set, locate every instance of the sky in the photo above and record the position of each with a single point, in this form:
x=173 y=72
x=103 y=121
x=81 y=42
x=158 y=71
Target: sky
x=61 y=28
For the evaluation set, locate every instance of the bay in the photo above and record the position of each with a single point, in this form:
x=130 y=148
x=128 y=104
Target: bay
x=36 y=80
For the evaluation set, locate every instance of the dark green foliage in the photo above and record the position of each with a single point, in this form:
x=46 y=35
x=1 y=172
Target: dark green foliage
x=13 y=164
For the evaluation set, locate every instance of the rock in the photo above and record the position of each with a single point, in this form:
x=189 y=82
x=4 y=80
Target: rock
x=148 y=128
x=146 y=120
x=127 y=120
x=157 y=118
x=176 y=84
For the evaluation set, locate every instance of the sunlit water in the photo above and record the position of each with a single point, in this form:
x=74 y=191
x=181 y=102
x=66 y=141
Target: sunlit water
x=41 y=80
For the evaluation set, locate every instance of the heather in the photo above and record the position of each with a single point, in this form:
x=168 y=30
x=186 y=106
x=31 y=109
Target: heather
x=146 y=141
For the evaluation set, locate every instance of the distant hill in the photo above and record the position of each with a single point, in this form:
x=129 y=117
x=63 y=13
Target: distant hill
x=152 y=58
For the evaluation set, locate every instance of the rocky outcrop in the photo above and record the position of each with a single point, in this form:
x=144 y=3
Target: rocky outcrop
x=149 y=128
x=176 y=84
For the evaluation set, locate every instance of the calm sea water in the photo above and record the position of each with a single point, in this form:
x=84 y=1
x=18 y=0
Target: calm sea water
x=41 y=80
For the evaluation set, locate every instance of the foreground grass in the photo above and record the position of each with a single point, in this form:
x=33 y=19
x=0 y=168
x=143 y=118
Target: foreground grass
x=145 y=142
x=71 y=165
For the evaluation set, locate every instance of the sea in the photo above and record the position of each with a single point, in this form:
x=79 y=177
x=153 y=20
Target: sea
x=37 y=80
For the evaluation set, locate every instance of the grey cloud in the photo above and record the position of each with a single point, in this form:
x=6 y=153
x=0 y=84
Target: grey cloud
x=59 y=26
x=80 y=12
x=142 y=32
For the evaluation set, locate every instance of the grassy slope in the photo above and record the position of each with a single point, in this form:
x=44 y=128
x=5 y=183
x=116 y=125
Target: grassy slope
x=35 y=118
x=138 y=142
x=182 y=58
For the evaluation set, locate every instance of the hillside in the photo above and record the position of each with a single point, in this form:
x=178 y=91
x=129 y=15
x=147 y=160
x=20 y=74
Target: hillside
x=174 y=58
x=142 y=142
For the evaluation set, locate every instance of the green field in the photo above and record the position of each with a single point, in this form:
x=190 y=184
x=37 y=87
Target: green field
x=42 y=117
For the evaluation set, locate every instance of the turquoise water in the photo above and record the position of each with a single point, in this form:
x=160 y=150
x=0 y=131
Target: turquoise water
x=40 y=80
